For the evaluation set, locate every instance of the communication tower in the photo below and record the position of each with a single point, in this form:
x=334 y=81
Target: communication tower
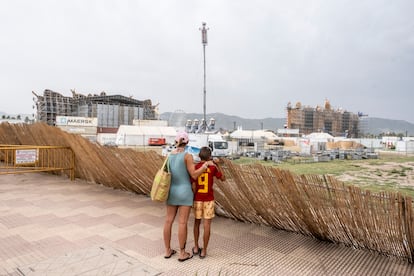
x=203 y=30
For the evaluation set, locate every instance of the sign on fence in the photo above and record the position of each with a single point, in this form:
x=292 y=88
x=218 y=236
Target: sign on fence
x=28 y=156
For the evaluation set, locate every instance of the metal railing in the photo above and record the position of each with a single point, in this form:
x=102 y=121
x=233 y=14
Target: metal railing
x=16 y=159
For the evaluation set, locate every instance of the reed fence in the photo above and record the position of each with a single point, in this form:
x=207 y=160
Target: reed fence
x=313 y=205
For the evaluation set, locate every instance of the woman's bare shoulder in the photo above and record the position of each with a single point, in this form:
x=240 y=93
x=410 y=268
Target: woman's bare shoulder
x=188 y=156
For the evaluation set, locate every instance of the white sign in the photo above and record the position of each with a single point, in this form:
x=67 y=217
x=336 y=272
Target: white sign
x=26 y=156
x=76 y=121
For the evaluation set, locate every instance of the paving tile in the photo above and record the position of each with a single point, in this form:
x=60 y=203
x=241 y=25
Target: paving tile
x=126 y=222
x=93 y=239
x=76 y=234
x=49 y=224
x=31 y=232
x=14 y=220
x=4 y=231
x=151 y=219
x=53 y=245
x=150 y=232
x=90 y=261
x=114 y=234
x=13 y=246
x=144 y=246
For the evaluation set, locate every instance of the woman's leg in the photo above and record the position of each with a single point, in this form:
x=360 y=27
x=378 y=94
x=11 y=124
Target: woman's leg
x=183 y=214
x=169 y=219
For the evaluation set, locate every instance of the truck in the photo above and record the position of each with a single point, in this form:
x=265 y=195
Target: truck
x=156 y=141
x=219 y=146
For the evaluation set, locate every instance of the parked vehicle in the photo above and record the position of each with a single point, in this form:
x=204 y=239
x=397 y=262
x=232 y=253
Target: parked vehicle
x=156 y=141
x=111 y=144
x=219 y=146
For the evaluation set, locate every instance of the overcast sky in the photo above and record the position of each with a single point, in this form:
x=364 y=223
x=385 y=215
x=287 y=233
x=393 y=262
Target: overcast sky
x=261 y=55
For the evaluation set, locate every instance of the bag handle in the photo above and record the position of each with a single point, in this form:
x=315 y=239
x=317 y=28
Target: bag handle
x=166 y=165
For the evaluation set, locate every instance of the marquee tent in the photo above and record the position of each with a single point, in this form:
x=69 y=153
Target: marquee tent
x=128 y=135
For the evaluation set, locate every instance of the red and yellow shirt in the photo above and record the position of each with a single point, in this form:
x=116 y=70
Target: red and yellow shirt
x=204 y=183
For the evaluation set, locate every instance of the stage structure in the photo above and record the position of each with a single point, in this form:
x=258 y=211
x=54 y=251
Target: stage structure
x=323 y=119
x=110 y=110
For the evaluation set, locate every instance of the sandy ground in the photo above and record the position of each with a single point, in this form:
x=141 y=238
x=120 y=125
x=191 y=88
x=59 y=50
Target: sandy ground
x=389 y=173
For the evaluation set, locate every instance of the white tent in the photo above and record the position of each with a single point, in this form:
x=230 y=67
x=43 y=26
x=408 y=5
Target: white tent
x=242 y=134
x=318 y=140
x=320 y=137
x=253 y=135
x=128 y=135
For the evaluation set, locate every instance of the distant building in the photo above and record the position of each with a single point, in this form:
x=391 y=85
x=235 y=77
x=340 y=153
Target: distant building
x=12 y=121
x=16 y=119
x=323 y=119
x=110 y=111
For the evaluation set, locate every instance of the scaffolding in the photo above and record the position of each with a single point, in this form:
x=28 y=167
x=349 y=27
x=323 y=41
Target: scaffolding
x=323 y=119
x=111 y=111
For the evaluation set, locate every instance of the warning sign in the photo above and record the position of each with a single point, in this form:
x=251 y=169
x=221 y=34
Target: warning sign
x=27 y=156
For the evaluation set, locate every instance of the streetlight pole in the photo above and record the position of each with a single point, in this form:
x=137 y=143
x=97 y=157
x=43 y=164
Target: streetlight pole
x=204 y=42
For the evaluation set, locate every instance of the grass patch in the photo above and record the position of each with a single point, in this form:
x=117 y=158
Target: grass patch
x=390 y=187
x=375 y=179
x=378 y=173
x=334 y=167
x=394 y=171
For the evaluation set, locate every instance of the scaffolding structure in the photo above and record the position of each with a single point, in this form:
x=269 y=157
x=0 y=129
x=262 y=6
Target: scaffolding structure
x=111 y=111
x=322 y=119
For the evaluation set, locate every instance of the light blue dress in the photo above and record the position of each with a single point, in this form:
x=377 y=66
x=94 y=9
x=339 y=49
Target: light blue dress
x=180 y=189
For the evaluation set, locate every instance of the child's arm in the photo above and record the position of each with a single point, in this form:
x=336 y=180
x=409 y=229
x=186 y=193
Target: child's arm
x=216 y=162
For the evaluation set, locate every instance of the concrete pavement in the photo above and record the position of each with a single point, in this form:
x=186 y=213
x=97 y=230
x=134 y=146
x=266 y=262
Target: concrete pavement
x=50 y=225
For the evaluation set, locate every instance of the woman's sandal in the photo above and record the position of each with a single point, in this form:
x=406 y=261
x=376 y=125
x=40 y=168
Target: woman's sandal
x=172 y=252
x=187 y=258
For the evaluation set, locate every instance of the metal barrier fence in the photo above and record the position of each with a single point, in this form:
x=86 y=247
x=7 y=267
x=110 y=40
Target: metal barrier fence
x=27 y=159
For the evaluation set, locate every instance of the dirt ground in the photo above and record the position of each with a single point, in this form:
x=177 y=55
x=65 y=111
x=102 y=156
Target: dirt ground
x=389 y=173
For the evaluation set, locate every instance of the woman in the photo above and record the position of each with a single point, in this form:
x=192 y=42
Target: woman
x=180 y=198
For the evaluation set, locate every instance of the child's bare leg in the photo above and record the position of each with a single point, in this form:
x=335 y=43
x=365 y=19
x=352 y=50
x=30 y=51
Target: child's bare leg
x=196 y=235
x=206 y=236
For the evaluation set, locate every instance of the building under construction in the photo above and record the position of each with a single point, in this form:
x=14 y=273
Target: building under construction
x=323 y=119
x=111 y=111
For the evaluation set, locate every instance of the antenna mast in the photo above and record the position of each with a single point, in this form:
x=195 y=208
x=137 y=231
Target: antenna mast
x=204 y=42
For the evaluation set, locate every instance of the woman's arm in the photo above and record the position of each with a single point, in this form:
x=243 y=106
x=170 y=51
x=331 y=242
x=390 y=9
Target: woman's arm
x=189 y=162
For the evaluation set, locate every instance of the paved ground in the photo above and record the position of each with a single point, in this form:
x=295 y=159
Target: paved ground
x=52 y=226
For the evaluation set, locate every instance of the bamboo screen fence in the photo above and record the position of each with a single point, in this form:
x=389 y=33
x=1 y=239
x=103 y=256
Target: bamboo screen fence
x=317 y=206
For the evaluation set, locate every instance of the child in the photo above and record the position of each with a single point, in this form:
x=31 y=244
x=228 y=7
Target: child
x=204 y=200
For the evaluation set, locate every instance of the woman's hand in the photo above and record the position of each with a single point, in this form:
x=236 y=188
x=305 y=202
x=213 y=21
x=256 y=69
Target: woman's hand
x=210 y=163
